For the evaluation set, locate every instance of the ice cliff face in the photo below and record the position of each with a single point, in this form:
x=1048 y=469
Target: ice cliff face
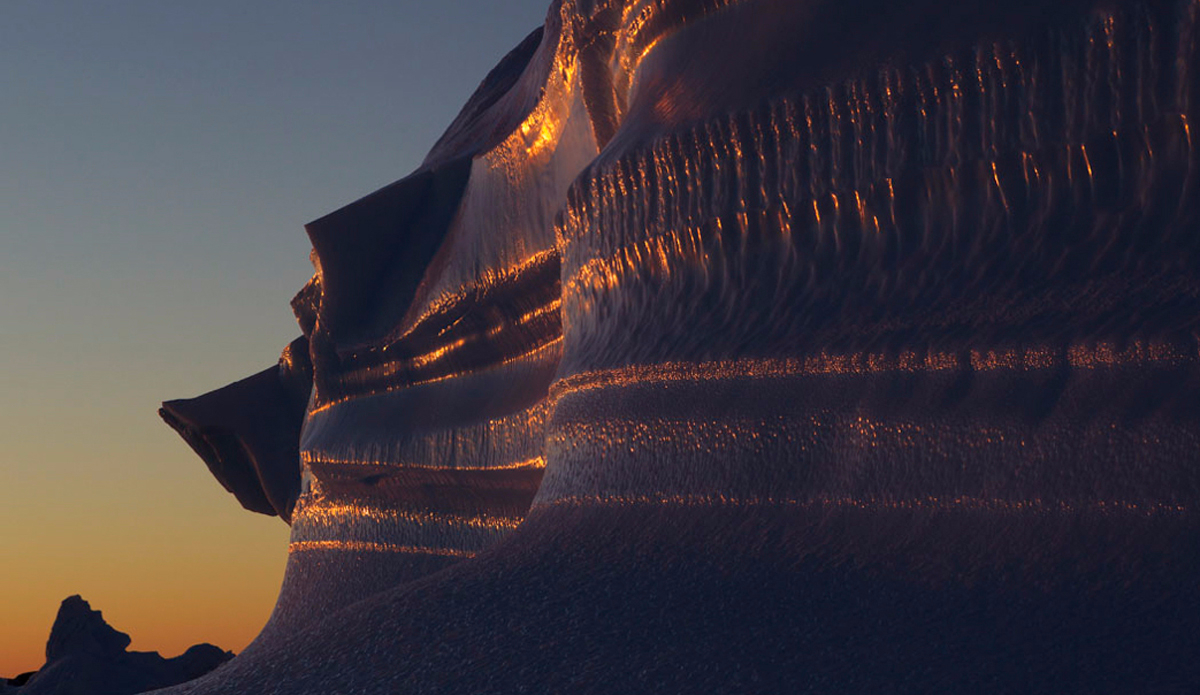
x=857 y=343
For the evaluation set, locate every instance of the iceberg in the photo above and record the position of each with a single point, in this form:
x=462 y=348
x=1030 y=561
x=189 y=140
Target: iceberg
x=86 y=655
x=756 y=346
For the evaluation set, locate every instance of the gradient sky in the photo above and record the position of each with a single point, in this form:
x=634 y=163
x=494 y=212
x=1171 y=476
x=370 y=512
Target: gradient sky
x=158 y=161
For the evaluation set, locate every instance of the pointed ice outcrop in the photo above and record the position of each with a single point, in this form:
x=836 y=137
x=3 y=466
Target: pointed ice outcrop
x=86 y=656
x=80 y=630
x=248 y=432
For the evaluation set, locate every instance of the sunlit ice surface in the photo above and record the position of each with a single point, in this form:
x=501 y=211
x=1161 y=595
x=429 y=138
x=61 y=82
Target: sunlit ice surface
x=869 y=361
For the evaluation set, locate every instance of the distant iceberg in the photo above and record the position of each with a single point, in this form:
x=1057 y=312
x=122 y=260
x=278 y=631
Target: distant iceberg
x=85 y=655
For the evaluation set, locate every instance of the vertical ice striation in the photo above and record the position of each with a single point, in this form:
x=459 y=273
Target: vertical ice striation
x=893 y=252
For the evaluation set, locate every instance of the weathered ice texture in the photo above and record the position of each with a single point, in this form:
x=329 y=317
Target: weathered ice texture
x=422 y=441
x=85 y=656
x=858 y=342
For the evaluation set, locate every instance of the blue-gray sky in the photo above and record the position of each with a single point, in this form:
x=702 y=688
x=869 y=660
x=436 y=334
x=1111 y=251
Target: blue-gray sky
x=158 y=160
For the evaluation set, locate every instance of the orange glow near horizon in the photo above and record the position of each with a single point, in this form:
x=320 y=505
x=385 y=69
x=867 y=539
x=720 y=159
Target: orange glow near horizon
x=155 y=544
x=212 y=594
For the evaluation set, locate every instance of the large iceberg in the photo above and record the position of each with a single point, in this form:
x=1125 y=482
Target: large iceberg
x=754 y=346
